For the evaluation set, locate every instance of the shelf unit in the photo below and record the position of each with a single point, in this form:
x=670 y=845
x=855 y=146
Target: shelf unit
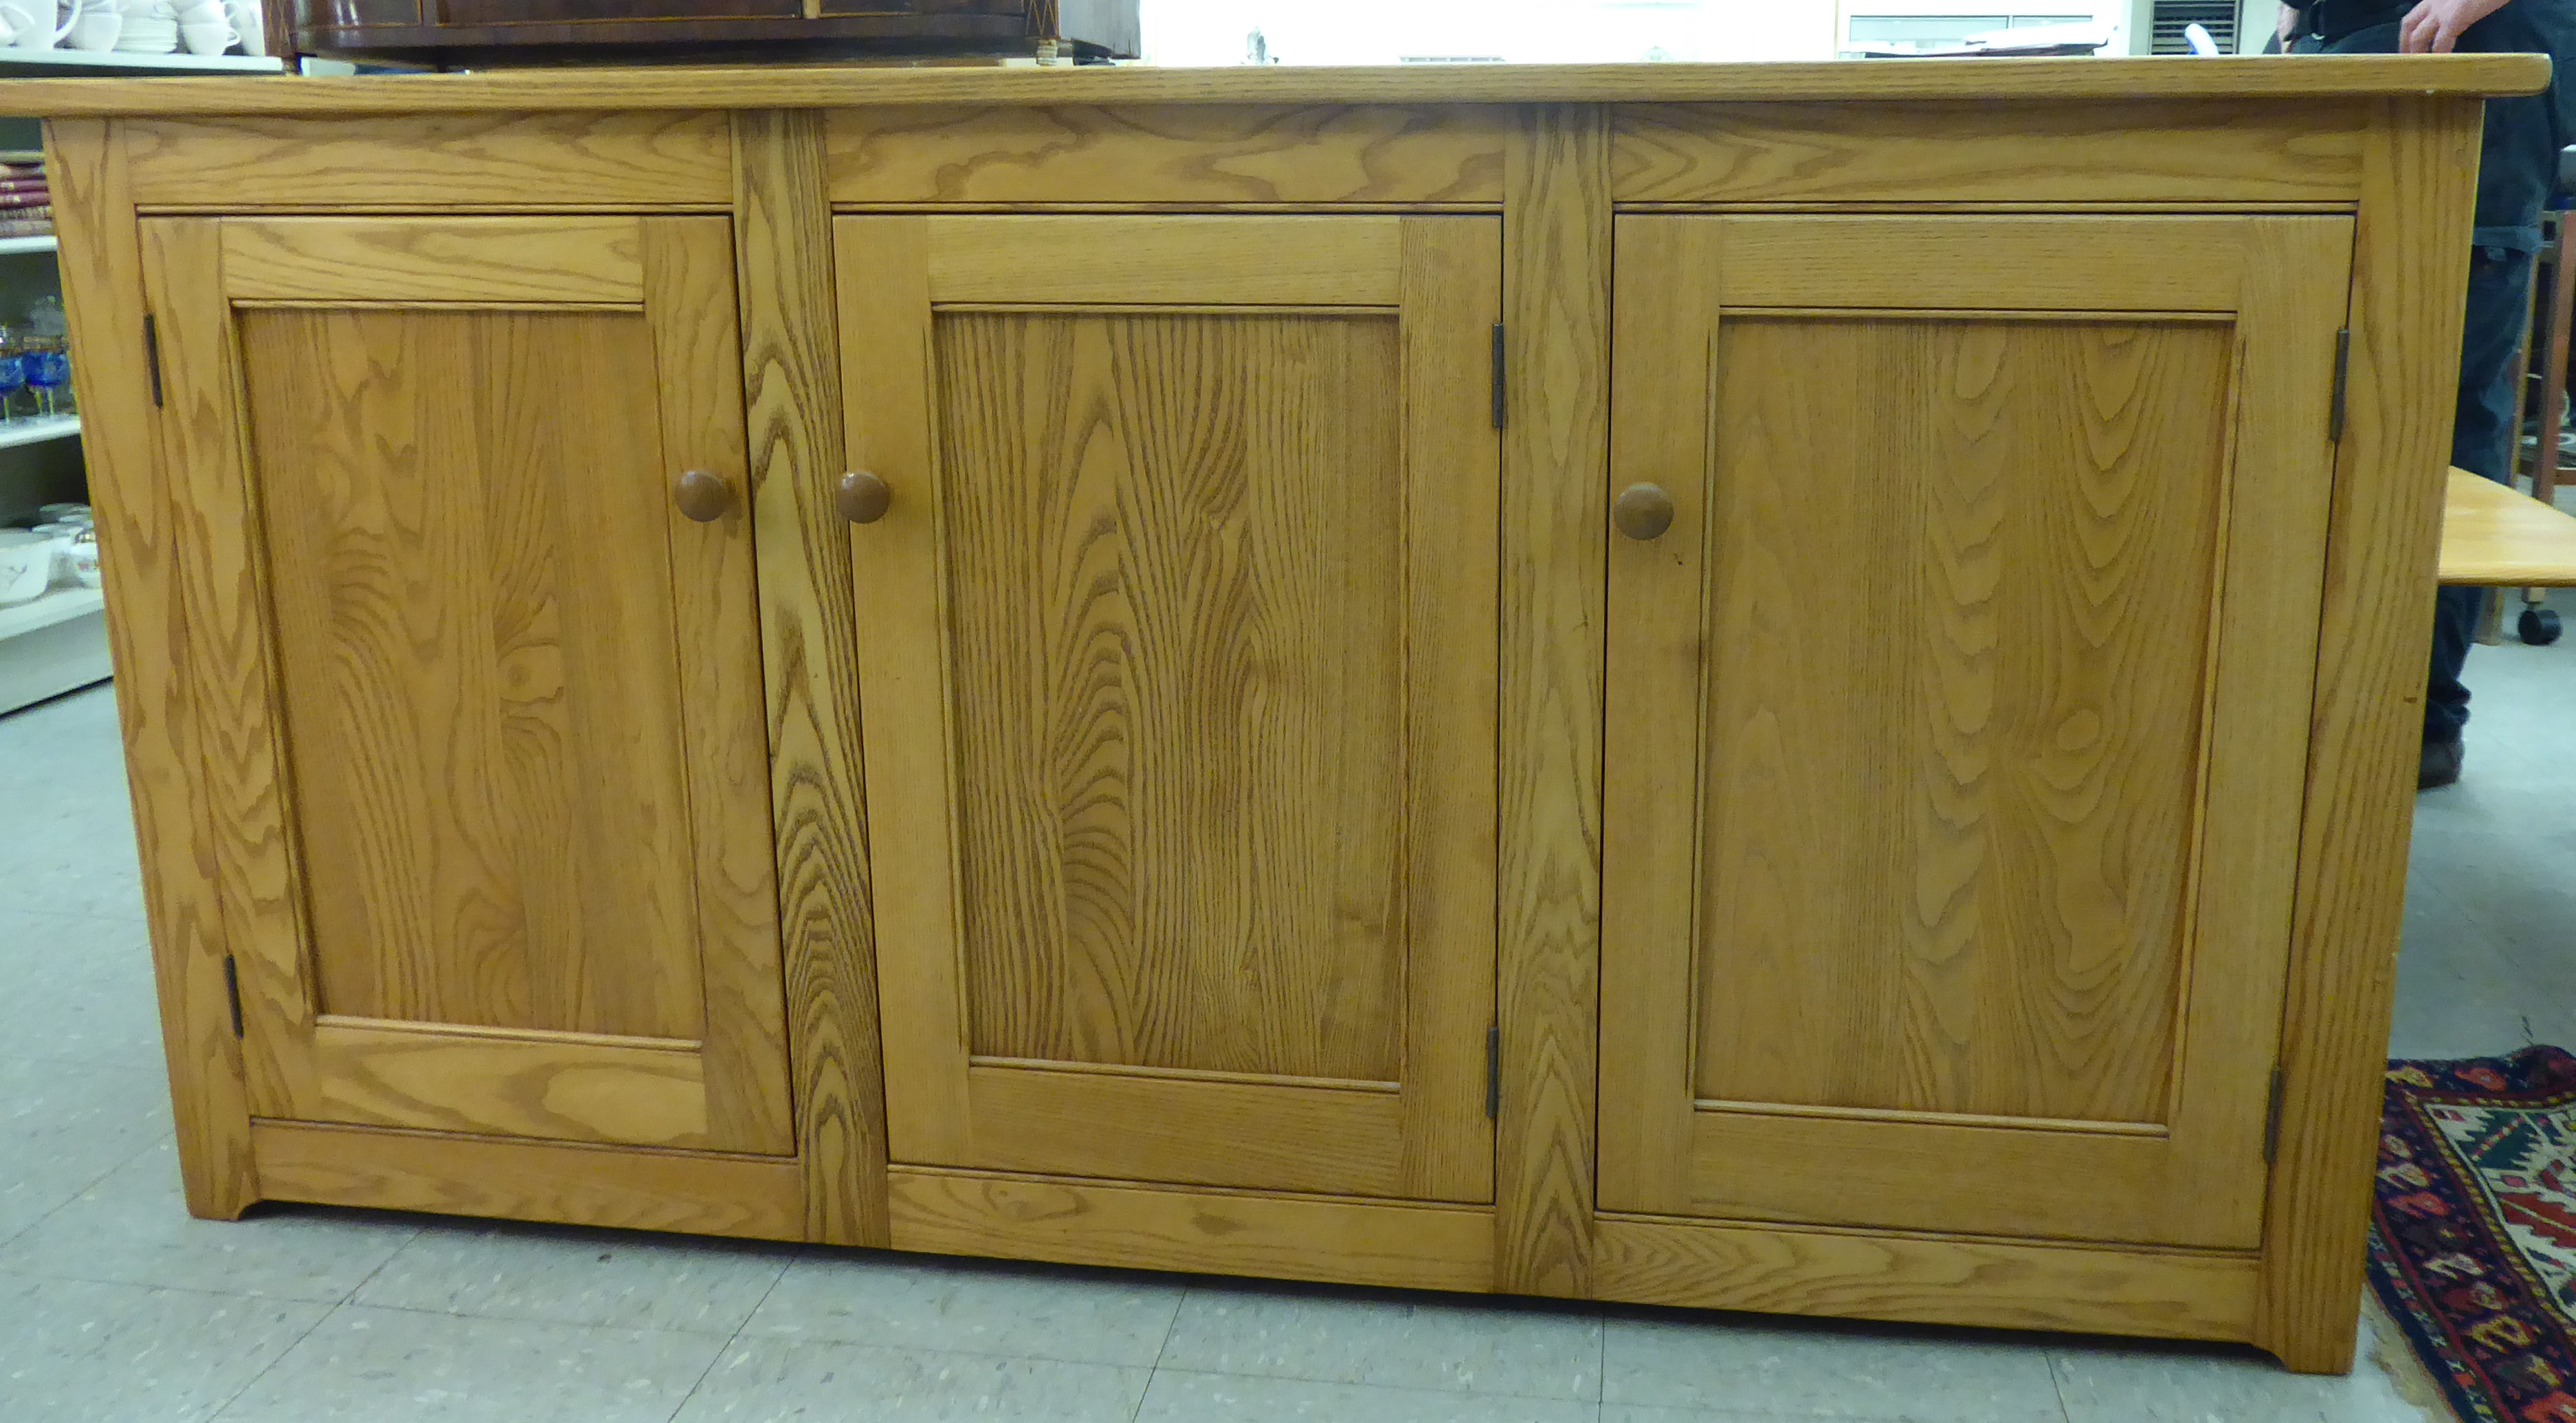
x=82 y=63
x=59 y=642
x=38 y=430
x=59 y=606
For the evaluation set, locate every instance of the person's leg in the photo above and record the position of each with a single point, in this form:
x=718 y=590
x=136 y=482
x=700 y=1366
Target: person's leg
x=2482 y=440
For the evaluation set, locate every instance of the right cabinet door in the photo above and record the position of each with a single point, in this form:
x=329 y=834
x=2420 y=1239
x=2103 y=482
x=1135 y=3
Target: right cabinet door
x=1957 y=719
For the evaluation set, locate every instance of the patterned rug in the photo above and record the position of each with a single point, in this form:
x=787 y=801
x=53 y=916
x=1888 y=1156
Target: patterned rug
x=2473 y=1229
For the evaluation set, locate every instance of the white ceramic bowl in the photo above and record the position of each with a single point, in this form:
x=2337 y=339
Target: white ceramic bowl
x=26 y=565
x=62 y=535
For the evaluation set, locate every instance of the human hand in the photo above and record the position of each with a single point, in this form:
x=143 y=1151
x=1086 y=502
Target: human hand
x=2434 y=26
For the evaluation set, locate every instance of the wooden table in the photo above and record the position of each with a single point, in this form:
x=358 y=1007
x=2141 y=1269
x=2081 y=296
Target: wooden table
x=2495 y=537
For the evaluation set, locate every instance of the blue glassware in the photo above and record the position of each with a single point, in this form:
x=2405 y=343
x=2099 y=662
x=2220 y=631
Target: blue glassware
x=49 y=373
x=13 y=379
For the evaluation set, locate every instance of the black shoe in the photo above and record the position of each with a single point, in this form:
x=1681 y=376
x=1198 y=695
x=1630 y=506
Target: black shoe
x=2440 y=766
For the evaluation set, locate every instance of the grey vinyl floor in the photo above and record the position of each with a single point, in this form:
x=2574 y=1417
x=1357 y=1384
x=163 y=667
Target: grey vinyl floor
x=115 y=1307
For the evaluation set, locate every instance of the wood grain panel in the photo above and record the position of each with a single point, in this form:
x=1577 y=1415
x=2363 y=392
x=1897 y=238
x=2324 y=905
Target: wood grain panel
x=559 y=1087
x=487 y=767
x=626 y=1188
x=657 y=90
x=1210 y=154
x=697 y=353
x=1178 y=684
x=1556 y=300
x=1282 y=261
x=2384 y=548
x=1944 y=850
x=644 y=158
x=1255 y=1133
x=1926 y=1279
x=2004 y=151
x=2054 y=262
x=1189 y=598
x=511 y=259
x=809 y=635
x=141 y=525
x=1203 y=1232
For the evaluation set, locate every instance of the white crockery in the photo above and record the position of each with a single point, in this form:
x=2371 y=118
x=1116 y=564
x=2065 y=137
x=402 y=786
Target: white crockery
x=146 y=36
x=98 y=30
x=26 y=565
x=85 y=559
x=30 y=23
x=207 y=39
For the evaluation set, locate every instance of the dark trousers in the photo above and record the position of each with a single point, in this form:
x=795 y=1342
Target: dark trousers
x=2518 y=166
x=2482 y=439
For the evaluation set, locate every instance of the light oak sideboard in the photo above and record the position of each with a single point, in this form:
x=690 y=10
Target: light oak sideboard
x=1786 y=687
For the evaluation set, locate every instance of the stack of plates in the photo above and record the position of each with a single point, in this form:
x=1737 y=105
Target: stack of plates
x=148 y=34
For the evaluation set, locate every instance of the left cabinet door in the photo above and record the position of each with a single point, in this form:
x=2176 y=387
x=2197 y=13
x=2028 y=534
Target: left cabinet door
x=477 y=622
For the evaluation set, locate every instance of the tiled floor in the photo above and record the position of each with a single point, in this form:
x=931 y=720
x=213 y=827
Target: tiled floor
x=115 y=1307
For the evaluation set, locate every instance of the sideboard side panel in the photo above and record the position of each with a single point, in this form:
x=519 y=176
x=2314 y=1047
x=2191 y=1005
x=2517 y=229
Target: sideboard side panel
x=146 y=545
x=2409 y=273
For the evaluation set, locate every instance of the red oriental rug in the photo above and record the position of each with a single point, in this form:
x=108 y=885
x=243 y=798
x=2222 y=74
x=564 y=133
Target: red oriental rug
x=2473 y=1229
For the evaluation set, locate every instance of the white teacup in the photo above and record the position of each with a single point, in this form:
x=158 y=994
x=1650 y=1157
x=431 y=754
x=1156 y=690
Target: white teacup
x=249 y=23
x=30 y=23
x=98 y=30
x=212 y=38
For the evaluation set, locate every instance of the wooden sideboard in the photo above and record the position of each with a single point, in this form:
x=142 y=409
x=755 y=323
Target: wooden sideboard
x=1787 y=687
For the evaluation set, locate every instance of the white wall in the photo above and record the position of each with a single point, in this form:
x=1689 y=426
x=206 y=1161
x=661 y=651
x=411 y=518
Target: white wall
x=1189 y=32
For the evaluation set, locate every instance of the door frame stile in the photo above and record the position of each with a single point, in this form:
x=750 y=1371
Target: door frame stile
x=809 y=629
x=1555 y=527
x=2383 y=541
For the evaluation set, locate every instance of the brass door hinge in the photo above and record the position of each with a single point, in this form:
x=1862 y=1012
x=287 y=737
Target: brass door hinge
x=232 y=992
x=1494 y=1066
x=152 y=356
x=2272 y=1120
x=2343 y=373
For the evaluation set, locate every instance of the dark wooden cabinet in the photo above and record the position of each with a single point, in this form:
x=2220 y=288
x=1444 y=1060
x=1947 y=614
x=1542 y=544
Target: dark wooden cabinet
x=437 y=29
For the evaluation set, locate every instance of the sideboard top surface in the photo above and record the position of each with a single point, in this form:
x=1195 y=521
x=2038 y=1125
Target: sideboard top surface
x=2244 y=77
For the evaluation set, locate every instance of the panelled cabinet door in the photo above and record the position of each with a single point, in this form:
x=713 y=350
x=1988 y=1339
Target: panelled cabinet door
x=1956 y=721
x=497 y=855
x=1176 y=592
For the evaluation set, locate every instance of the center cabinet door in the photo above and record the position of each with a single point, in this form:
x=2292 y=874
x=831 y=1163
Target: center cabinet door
x=496 y=855
x=1177 y=649
x=1956 y=722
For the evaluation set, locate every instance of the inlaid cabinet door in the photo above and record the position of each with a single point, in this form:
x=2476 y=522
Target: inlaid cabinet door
x=495 y=833
x=1963 y=596
x=1176 y=594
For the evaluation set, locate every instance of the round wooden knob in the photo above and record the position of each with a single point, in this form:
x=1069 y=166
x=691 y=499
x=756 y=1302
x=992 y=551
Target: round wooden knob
x=863 y=497
x=1643 y=511
x=702 y=497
